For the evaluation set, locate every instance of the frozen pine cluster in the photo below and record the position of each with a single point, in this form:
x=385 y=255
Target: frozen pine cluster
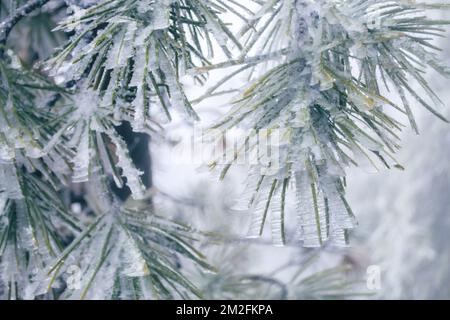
x=325 y=80
x=328 y=101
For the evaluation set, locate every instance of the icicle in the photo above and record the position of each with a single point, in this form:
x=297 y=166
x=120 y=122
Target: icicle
x=257 y=217
x=160 y=15
x=38 y=284
x=251 y=188
x=258 y=211
x=261 y=208
x=134 y=264
x=106 y=160
x=3 y=201
x=109 y=94
x=340 y=219
x=143 y=6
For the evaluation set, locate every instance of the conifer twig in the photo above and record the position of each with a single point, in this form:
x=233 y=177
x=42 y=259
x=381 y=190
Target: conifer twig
x=23 y=11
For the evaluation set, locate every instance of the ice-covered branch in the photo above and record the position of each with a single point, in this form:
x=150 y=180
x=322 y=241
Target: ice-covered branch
x=324 y=105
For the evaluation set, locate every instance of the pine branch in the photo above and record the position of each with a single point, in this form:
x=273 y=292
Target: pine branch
x=7 y=25
x=127 y=56
x=325 y=113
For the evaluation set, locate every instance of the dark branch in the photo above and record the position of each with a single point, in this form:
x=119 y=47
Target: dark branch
x=7 y=25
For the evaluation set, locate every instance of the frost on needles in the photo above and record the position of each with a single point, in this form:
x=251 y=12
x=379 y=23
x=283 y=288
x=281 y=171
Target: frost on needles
x=320 y=72
x=323 y=95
